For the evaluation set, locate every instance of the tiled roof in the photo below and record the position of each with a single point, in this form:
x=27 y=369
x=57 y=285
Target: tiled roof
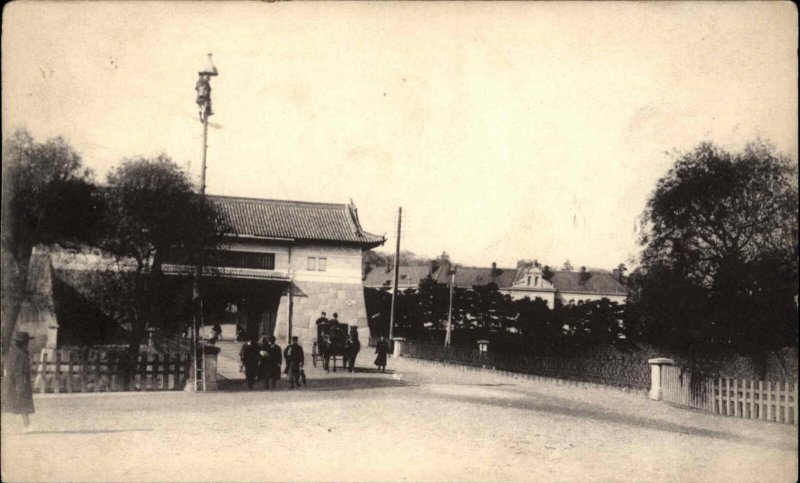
x=408 y=276
x=477 y=276
x=598 y=283
x=296 y=220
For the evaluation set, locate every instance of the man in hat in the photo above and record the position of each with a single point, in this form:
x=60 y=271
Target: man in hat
x=17 y=387
x=250 y=359
x=335 y=327
x=322 y=326
x=294 y=362
x=273 y=361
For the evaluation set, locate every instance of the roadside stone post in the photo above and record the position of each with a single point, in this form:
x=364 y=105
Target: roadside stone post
x=210 y=354
x=151 y=332
x=655 y=375
x=52 y=338
x=398 y=346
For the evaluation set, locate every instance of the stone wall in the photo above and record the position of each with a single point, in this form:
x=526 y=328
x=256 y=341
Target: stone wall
x=311 y=298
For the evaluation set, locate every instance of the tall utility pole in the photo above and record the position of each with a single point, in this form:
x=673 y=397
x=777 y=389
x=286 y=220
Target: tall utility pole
x=203 y=88
x=452 y=273
x=396 y=272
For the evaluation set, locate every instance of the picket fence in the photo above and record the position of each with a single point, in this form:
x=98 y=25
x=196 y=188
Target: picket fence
x=60 y=371
x=762 y=400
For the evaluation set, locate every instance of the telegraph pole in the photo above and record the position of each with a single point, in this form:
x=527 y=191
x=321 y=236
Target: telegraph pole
x=203 y=88
x=396 y=273
x=452 y=273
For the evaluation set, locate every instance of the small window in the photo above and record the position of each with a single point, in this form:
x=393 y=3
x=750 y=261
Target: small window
x=536 y=281
x=529 y=280
x=312 y=263
x=323 y=262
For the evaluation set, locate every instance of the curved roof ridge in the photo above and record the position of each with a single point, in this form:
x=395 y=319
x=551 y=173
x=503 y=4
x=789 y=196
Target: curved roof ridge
x=249 y=199
x=294 y=219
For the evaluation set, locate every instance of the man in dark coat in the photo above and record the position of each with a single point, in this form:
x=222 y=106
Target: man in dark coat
x=273 y=361
x=17 y=387
x=322 y=327
x=250 y=358
x=295 y=360
x=382 y=349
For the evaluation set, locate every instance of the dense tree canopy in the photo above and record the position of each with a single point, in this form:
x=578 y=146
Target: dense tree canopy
x=48 y=198
x=715 y=208
x=151 y=212
x=719 y=265
x=525 y=325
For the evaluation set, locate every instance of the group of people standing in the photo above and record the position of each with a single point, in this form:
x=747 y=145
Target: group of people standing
x=262 y=360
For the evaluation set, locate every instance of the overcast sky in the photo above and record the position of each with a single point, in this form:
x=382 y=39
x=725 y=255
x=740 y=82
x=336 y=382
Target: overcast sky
x=505 y=131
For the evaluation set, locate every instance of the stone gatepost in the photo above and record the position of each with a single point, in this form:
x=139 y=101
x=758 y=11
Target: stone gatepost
x=398 y=346
x=49 y=350
x=151 y=333
x=52 y=337
x=655 y=375
x=210 y=354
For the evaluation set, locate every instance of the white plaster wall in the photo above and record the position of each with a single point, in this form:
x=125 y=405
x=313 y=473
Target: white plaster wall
x=343 y=262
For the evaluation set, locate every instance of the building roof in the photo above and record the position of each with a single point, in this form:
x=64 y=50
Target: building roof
x=408 y=275
x=297 y=220
x=476 y=276
x=599 y=283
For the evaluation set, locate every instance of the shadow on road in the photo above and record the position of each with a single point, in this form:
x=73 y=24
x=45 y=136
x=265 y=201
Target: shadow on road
x=332 y=383
x=569 y=408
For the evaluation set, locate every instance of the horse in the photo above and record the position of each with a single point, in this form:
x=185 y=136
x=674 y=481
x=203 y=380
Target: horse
x=351 y=348
x=331 y=343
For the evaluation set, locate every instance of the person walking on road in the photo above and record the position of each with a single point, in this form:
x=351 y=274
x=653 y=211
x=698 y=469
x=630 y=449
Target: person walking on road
x=17 y=388
x=382 y=349
x=250 y=359
x=273 y=363
x=294 y=362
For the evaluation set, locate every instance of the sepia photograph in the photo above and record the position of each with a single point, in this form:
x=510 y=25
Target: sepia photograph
x=399 y=241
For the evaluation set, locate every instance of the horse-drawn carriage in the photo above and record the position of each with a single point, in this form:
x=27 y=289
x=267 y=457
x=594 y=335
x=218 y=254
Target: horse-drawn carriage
x=335 y=340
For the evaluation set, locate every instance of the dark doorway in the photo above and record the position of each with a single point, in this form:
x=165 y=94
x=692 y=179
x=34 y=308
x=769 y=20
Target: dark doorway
x=249 y=307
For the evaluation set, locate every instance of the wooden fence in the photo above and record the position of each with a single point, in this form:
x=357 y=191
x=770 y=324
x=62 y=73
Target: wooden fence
x=60 y=371
x=763 y=400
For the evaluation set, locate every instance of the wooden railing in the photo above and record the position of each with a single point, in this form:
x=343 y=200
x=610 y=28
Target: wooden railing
x=750 y=399
x=59 y=371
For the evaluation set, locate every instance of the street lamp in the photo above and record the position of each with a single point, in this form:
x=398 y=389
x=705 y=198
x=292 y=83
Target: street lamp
x=203 y=88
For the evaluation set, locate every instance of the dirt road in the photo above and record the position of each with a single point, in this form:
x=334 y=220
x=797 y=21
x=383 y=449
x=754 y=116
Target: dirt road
x=417 y=423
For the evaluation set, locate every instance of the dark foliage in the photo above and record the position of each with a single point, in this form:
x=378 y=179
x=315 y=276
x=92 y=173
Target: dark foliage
x=48 y=198
x=151 y=211
x=719 y=267
x=527 y=326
